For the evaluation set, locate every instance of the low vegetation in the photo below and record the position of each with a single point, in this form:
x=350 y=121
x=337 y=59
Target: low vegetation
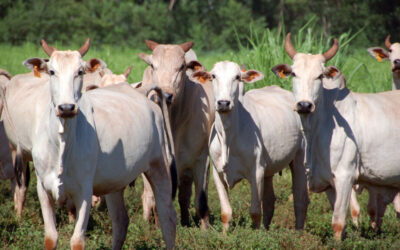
x=364 y=74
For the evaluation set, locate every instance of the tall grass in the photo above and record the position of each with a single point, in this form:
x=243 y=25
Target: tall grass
x=267 y=50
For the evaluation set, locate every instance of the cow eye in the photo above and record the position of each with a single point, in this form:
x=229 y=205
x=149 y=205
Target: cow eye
x=182 y=67
x=293 y=74
x=320 y=76
x=51 y=72
x=151 y=65
x=213 y=76
x=390 y=51
x=238 y=77
x=80 y=72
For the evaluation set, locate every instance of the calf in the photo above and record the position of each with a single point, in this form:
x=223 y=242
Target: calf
x=254 y=136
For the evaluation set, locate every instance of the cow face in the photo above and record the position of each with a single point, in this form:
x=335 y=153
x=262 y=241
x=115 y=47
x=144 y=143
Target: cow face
x=168 y=66
x=226 y=78
x=66 y=69
x=307 y=71
x=393 y=54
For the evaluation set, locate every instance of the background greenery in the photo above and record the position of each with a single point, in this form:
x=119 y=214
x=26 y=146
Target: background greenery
x=213 y=24
x=243 y=31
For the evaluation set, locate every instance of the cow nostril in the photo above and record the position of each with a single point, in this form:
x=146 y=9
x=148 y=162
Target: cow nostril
x=223 y=103
x=168 y=97
x=66 y=107
x=304 y=107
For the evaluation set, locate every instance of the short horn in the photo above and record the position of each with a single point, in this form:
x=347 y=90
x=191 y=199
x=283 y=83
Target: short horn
x=128 y=71
x=84 y=48
x=332 y=51
x=289 y=47
x=387 y=42
x=47 y=48
x=151 y=44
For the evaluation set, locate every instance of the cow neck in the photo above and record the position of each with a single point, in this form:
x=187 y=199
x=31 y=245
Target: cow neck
x=63 y=134
x=179 y=111
x=396 y=81
x=226 y=128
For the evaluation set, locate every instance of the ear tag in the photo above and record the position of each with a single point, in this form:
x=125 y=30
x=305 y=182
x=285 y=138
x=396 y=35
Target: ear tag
x=281 y=75
x=95 y=67
x=196 y=67
x=36 y=71
x=251 y=77
x=202 y=79
x=378 y=57
x=243 y=70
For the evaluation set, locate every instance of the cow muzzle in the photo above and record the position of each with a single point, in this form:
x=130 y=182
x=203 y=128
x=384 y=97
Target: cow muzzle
x=304 y=107
x=168 y=98
x=396 y=66
x=224 y=106
x=67 y=110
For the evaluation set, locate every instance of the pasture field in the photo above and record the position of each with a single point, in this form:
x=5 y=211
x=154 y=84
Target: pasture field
x=364 y=74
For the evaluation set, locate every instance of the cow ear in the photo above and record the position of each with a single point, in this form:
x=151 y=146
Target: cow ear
x=187 y=46
x=95 y=64
x=136 y=85
x=331 y=72
x=145 y=57
x=5 y=73
x=378 y=53
x=195 y=66
x=282 y=70
x=37 y=65
x=200 y=77
x=251 y=76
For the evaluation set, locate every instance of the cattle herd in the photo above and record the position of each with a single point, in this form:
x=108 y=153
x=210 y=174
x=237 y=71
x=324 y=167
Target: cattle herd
x=90 y=134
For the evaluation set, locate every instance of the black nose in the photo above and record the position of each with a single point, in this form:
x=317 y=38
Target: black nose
x=304 y=107
x=168 y=97
x=397 y=62
x=66 y=107
x=223 y=105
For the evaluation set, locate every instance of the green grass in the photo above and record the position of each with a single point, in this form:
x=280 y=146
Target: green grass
x=364 y=74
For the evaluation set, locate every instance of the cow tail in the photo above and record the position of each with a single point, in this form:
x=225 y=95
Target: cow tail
x=170 y=140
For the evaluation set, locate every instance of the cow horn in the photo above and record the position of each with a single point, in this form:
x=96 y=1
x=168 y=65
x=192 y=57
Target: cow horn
x=151 y=44
x=387 y=42
x=187 y=46
x=84 y=48
x=47 y=48
x=289 y=47
x=128 y=71
x=332 y=51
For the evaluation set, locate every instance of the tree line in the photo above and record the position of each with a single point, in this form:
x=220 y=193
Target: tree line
x=212 y=24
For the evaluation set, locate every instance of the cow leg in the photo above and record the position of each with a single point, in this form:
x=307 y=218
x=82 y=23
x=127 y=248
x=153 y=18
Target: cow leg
x=185 y=191
x=257 y=190
x=149 y=204
x=160 y=181
x=20 y=191
x=201 y=189
x=372 y=207
x=49 y=218
x=354 y=207
x=82 y=201
x=331 y=195
x=119 y=217
x=396 y=203
x=226 y=209
x=343 y=186
x=300 y=191
x=268 y=203
x=71 y=211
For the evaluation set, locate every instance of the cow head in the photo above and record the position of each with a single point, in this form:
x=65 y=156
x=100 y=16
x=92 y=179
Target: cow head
x=168 y=66
x=110 y=79
x=393 y=54
x=66 y=69
x=226 y=77
x=308 y=72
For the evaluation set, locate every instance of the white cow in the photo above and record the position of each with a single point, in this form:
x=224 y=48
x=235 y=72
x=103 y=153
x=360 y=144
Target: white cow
x=351 y=138
x=254 y=136
x=192 y=114
x=95 y=143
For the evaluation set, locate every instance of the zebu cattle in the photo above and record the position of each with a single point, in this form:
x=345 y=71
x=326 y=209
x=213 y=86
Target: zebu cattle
x=254 y=136
x=192 y=114
x=351 y=138
x=95 y=143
